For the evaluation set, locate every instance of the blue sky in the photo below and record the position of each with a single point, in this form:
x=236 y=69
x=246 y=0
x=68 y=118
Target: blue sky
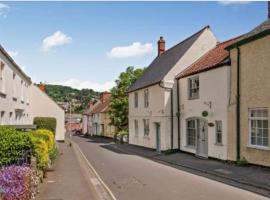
x=87 y=44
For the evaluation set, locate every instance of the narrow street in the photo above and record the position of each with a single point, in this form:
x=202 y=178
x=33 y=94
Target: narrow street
x=131 y=177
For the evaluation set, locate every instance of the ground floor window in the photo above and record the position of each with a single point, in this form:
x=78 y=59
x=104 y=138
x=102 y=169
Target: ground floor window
x=218 y=132
x=191 y=132
x=146 y=127
x=136 y=127
x=258 y=127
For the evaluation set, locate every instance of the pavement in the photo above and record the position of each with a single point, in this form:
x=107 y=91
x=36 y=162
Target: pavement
x=72 y=178
x=134 y=173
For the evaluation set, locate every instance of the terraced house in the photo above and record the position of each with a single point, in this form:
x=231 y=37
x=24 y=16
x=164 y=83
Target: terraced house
x=152 y=108
x=248 y=117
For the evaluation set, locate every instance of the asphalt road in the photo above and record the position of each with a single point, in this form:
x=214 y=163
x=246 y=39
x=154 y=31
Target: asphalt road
x=131 y=177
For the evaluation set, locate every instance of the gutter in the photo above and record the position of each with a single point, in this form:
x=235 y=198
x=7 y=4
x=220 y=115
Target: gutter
x=171 y=89
x=238 y=153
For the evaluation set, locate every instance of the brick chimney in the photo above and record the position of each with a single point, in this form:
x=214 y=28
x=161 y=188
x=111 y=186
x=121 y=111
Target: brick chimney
x=42 y=86
x=268 y=9
x=161 y=46
x=105 y=96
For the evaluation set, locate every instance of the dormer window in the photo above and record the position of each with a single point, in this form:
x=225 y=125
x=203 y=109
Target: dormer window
x=193 y=87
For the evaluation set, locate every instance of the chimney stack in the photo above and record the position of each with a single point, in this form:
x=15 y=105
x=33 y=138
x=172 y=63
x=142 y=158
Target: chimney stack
x=161 y=46
x=268 y=9
x=42 y=86
x=104 y=96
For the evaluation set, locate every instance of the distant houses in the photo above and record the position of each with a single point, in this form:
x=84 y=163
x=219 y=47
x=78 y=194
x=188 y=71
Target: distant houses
x=21 y=100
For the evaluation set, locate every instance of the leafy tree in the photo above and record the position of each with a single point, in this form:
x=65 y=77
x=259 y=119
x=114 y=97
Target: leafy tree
x=119 y=103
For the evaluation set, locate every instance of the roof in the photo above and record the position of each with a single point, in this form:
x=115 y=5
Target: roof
x=216 y=57
x=260 y=31
x=101 y=106
x=14 y=63
x=164 y=63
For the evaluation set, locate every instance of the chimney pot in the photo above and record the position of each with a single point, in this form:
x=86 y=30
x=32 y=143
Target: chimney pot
x=161 y=46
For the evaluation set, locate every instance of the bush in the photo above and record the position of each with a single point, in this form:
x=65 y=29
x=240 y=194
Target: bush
x=49 y=138
x=18 y=182
x=48 y=123
x=123 y=133
x=41 y=151
x=13 y=144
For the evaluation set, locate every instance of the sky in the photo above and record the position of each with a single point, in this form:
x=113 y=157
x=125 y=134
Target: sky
x=88 y=44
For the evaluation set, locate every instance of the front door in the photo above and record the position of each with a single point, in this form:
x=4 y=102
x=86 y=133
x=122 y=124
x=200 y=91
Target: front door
x=202 y=138
x=157 y=137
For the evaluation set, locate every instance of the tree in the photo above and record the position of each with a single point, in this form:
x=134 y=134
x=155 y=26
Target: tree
x=119 y=102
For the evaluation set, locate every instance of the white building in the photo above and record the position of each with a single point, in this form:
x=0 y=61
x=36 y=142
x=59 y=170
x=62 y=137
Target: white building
x=21 y=101
x=152 y=120
x=203 y=104
x=14 y=92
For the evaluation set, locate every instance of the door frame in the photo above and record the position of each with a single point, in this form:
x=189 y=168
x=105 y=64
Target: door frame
x=198 y=135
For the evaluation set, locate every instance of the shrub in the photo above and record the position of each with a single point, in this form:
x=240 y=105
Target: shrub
x=13 y=145
x=123 y=133
x=242 y=162
x=48 y=123
x=48 y=137
x=41 y=151
x=18 y=182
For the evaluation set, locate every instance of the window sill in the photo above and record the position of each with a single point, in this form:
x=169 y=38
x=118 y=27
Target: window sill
x=2 y=94
x=219 y=144
x=146 y=137
x=193 y=98
x=190 y=147
x=14 y=99
x=258 y=147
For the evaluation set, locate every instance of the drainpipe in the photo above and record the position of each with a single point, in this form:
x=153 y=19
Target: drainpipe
x=171 y=89
x=178 y=115
x=238 y=107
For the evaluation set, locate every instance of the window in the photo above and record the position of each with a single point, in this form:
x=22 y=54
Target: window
x=22 y=91
x=191 y=132
x=218 y=132
x=136 y=127
x=146 y=98
x=258 y=127
x=146 y=127
x=2 y=114
x=10 y=118
x=2 y=80
x=193 y=87
x=14 y=86
x=136 y=99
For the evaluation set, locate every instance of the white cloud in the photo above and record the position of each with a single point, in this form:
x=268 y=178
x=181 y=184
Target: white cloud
x=13 y=53
x=74 y=83
x=135 y=49
x=56 y=39
x=230 y=2
x=3 y=9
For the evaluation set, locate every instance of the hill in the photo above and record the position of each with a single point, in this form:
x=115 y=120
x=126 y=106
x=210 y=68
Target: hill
x=63 y=95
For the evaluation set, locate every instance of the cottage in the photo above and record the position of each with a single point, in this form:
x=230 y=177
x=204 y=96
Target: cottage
x=248 y=117
x=87 y=118
x=203 y=99
x=152 y=120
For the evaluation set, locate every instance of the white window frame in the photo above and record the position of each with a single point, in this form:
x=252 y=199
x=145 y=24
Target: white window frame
x=195 y=129
x=219 y=131
x=193 y=86
x=136 y=127
x=146 y=128
x=136 y=99
x=258 y=118
x=146 y=98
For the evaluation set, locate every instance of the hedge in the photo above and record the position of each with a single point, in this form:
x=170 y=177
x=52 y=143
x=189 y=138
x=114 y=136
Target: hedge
x=48 y=123
x=12 y=145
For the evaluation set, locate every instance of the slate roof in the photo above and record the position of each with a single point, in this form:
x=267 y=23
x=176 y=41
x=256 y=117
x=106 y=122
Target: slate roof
x=262 y=28
x=216 y=57
x=101 y=106
x=164 y=63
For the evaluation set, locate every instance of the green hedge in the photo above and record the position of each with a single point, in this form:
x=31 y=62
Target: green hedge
x=12 y=144
x=48 y=123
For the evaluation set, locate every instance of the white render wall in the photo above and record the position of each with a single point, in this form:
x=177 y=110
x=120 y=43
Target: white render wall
x=43 y=106
x=214 y=87
x=14 y=98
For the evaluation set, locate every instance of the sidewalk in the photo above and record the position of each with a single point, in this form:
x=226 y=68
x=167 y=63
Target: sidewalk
x=70 y=178
x=252 y=178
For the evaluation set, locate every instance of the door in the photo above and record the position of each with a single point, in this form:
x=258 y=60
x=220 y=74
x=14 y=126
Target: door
x=202 y=138
x=157 y=137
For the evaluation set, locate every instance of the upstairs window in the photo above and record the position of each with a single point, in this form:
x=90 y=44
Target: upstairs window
x=2 y=78
x=146 y=98
x=146 y=127
x=136 y=99
x=193 y=87
x=258 y=127
x=22 y=91
x=14 y=86
x=218 y=132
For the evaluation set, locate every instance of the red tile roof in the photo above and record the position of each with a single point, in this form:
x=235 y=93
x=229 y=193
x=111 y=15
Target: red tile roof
x=216 y=57
x=101 y=106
